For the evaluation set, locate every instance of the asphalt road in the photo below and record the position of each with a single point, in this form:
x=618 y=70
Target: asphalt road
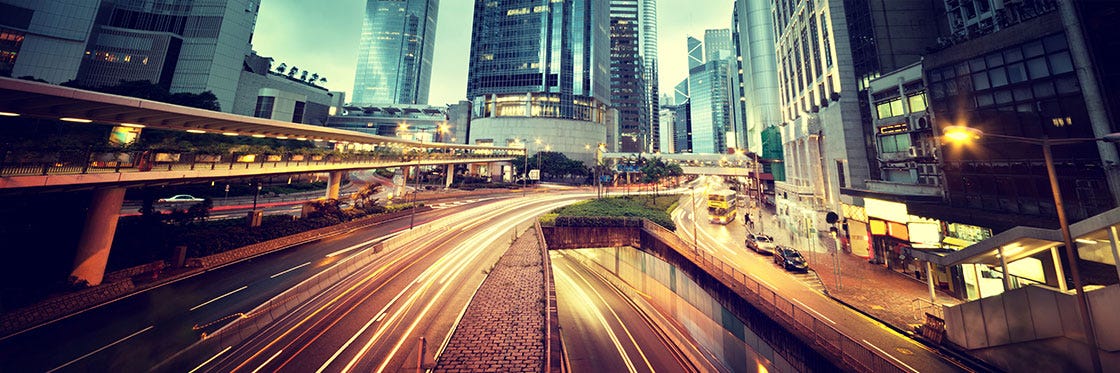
x=136 y=332
x=726 y=242
x=373 y=321
x=604 y=331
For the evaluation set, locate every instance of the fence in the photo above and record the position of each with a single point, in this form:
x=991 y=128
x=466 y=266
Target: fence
x=847 y=349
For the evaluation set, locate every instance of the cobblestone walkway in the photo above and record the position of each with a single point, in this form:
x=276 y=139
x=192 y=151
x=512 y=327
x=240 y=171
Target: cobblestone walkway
x=503 y=329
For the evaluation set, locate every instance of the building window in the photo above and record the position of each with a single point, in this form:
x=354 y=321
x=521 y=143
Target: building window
x=297 y=112
x=840 y=174
x=264 y=107
x=917 y=102
x=894 y=143
x=892 y=108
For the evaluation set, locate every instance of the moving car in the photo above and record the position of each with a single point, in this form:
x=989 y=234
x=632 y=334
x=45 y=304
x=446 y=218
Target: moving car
x=790 y=259
x=761 y=243
x=181 y=198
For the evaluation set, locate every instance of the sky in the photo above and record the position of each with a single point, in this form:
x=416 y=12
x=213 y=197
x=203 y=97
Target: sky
x=322 y=37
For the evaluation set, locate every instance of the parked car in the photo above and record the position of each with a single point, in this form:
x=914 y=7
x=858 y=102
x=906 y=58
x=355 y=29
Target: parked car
x=790 y=259
x=761 y=243
x=181 y=198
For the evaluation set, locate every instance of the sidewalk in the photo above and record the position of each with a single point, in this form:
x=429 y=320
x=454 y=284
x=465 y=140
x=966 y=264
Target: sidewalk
x=873 y=289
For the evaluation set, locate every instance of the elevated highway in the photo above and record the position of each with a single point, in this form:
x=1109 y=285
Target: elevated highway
x=109 y=171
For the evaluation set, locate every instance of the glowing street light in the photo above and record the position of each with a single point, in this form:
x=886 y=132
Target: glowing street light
x=963 y=135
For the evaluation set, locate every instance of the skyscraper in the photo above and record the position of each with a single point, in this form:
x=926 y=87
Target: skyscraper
x=395 y=53
x=695 y=53
x=541 y=72
x=709 y=93
x=758 y=72
x=648 y=14
x=628 y=86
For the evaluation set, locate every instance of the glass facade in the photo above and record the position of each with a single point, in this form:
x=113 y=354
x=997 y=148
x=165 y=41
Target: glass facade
x=549 y=59
x=395 y=52
x=1027 y=90
x=711 y=111
x=648 y=14
x=628 y=87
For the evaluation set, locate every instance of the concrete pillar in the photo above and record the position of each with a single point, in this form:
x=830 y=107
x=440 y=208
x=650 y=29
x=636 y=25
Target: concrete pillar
x=1006 y=275
x=97 y=236
x=333 y=184
x=450 y=176
x=1058 y=269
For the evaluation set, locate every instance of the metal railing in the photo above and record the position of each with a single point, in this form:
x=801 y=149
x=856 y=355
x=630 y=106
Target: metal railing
x=37 y=162
x=848 y=349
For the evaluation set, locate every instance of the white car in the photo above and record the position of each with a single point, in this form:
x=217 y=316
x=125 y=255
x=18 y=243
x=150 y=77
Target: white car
x=181 y=198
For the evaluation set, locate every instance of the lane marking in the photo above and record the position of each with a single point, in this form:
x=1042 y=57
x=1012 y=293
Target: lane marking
x=289 y=270
x=890 y=356
x=815 y=311
x=219 y=297
x=267 y=361
x=209 y=360
x=101 y=349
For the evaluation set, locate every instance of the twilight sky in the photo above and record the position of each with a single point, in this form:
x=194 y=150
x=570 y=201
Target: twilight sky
x=322 y=37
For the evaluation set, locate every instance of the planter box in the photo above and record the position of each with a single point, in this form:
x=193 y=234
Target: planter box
x=273 y=158
x=247 y=158
x=297 y=157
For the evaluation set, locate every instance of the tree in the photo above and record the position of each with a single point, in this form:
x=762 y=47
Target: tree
x=314 y=78
x=557 y=165
x=303 y=76
x=292 y=72
x=280 y=69
x=655 y=170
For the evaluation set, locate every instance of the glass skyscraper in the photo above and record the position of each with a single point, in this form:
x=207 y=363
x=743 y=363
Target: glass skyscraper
x=628 y=87
x=395 y=53
x=541 y=71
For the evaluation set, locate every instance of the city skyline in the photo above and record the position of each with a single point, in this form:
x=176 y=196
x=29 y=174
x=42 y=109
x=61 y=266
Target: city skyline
x=333 y=51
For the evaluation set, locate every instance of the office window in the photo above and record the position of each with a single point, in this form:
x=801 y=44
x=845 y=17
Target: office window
x=264 y=107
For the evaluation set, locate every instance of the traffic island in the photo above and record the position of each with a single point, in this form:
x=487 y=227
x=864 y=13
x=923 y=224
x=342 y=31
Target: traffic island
x=510 y=324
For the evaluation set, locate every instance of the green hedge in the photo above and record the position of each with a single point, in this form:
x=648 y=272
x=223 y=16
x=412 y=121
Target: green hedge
x=604 y=212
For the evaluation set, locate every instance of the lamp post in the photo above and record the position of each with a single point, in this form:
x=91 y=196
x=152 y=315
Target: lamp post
x=962 y=134
x=692 y=201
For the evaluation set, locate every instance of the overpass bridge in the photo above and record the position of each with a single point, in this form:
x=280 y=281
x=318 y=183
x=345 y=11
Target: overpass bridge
x=695 y=163
x=109 y=172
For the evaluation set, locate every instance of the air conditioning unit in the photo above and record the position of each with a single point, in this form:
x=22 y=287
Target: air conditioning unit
x=920 y=122
x=913 y=151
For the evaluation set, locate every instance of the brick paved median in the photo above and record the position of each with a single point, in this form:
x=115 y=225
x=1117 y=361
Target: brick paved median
x=503 y=329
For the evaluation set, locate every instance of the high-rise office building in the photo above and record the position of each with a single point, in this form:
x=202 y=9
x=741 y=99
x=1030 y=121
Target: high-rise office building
x=709 y=92
x=717 y=45
x=827 y=53
x=757 y=92
x=395 y=52
x=188 y=46
x=695 y=53
x=628 y=87
x=541 y=73
x=648 y=16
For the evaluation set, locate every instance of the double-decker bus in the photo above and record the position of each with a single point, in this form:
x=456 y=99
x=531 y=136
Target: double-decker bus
x=721 y=206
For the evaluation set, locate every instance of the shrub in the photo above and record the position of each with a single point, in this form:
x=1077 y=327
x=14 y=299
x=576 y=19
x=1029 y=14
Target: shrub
x=596 y=212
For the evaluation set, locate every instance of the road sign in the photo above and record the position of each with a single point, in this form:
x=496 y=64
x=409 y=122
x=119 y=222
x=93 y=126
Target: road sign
x=534 y=174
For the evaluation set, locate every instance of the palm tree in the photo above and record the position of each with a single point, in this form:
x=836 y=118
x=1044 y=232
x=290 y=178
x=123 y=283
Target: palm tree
x=303 y=76
x=280 y=69
x=293 y=71
x=323 y=80
x=314 y=78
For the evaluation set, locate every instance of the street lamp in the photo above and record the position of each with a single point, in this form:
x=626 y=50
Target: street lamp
x=964 y=135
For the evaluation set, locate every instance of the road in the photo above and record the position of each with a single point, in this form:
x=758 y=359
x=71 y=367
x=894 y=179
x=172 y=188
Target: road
x=604 y=331
x=726 y=242
x=373 y=321
x=134 y=333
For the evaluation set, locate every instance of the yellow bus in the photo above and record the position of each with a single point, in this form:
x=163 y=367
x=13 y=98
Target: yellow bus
x=721 y=206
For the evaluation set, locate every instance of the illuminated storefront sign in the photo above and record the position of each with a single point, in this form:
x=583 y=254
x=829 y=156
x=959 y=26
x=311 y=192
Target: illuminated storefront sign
x=886 y=210
x=894 y=128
